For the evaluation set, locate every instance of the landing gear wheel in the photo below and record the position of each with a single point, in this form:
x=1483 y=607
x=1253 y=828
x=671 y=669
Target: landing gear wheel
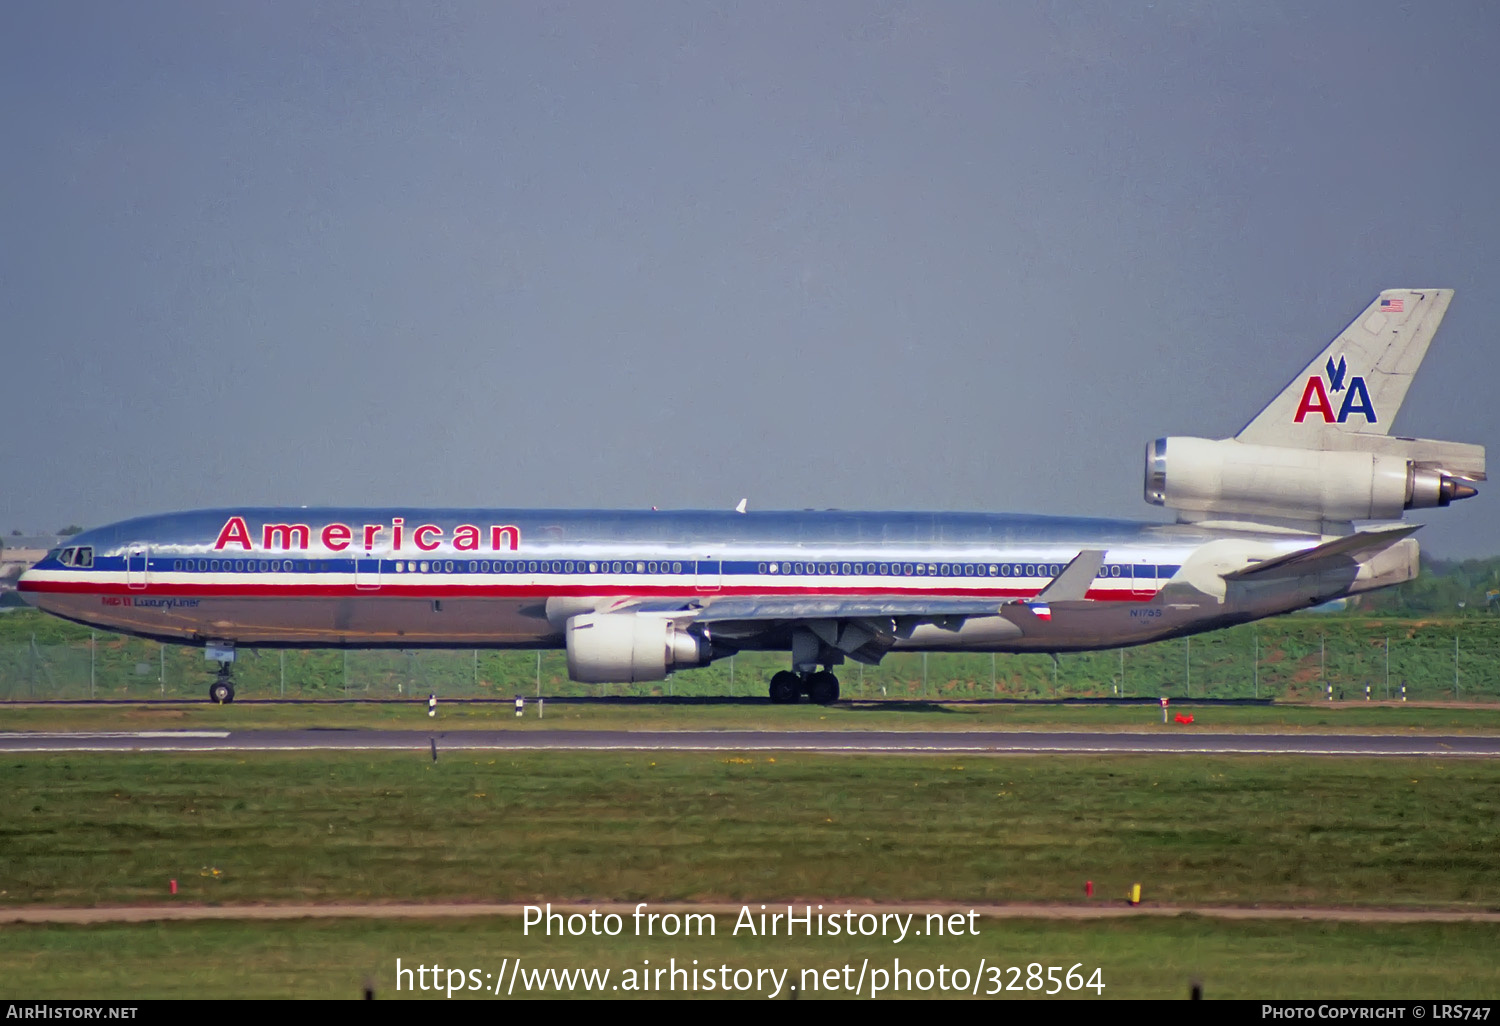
x=823 y=688
x=221 y=692
x=786 y=687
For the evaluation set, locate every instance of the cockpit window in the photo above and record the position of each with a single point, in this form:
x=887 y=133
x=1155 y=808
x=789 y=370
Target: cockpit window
x=79 y=556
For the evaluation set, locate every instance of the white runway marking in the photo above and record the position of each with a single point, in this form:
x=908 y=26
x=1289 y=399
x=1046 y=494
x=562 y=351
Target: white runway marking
x=91 y=734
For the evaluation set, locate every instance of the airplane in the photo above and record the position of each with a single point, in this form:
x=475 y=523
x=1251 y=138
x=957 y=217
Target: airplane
x=1303 y=506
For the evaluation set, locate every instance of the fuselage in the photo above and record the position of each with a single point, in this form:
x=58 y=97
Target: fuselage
x=508 y=578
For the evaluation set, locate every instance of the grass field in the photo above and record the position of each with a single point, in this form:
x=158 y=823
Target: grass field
x=757 y=714
x=333 y=827
x=106 y=829
x=1140 y=958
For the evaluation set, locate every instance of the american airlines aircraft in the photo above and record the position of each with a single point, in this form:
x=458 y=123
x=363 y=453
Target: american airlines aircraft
x=1302 y=506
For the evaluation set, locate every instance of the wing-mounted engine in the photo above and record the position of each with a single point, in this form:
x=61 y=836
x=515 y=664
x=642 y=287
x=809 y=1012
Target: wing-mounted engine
x=621 y=648
x=1203 y=476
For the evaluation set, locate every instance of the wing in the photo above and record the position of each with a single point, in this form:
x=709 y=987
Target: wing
x=864 y=627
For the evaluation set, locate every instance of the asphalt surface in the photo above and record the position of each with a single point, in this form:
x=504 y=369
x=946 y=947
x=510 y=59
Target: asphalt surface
x=863 y=741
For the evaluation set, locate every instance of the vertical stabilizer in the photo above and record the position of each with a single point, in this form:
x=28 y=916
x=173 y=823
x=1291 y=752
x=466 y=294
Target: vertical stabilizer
x=1355 y=385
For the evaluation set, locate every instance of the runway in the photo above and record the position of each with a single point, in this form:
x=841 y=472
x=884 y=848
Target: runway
x=870 y=742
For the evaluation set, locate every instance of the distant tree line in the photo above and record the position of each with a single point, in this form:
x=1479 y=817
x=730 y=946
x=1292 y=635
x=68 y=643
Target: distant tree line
x=1444 y=587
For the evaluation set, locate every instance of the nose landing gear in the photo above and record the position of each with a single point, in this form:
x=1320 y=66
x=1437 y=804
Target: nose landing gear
x=221 y=691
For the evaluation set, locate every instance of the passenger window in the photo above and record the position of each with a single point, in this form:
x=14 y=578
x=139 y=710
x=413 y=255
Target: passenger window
x=239 y=566
x=400 y=567
x=473 y=566
x=677 y=568
x=846 y=568
x=775 y=568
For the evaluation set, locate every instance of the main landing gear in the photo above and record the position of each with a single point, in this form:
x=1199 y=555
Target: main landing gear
x=221 y=691
x=821 y=688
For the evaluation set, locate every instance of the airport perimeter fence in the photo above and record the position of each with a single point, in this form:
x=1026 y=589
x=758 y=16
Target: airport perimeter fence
x=1291 y=658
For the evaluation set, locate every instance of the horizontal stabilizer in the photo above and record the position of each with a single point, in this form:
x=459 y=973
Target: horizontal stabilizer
x=1348 y=546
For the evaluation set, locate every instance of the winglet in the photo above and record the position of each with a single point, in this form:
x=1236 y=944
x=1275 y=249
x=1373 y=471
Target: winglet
x=740 y=506
x=1073 y=583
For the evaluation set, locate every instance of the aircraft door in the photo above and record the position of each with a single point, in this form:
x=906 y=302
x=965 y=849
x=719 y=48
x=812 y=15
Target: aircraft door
x=1143 y=587
x=135 y=566
x=366 y=572
x=710 y=574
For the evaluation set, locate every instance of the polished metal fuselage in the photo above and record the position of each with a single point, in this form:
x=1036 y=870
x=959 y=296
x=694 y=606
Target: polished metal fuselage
x=408 y=578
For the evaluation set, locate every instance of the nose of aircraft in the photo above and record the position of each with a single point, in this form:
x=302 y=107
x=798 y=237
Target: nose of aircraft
x=31 y=597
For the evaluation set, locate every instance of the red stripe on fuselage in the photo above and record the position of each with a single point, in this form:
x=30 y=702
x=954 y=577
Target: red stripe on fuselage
x=425 y=590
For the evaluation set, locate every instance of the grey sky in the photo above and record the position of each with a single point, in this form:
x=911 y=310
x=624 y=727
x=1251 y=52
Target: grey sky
x=938 y=255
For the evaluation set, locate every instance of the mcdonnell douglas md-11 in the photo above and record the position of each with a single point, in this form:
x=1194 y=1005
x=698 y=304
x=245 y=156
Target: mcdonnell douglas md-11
x=1304 y=505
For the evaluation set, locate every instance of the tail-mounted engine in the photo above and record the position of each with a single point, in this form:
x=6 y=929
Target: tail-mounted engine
x=1200 y=475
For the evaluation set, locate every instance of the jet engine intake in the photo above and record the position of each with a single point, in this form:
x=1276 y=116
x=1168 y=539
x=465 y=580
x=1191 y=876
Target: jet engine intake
x=622 y=648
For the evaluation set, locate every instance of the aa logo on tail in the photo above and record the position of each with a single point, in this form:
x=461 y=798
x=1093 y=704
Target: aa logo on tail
x=1315 y=397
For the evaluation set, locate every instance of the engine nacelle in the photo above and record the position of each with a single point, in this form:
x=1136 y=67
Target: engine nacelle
x=1200 y=475
x=622 y=648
